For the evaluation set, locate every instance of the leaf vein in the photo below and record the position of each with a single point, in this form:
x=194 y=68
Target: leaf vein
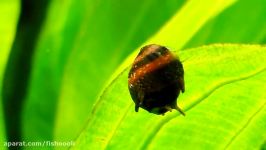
x=245 y=126
x=163 y=122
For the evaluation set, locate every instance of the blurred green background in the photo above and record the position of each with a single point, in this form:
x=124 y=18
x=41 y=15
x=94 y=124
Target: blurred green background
x=56 y=57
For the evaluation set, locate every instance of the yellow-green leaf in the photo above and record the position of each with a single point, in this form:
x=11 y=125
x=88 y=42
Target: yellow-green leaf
x=9 y=12
x=224 y=101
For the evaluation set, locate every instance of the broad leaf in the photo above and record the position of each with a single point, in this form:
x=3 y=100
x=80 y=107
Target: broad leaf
x=224 y=101
x=235 y=25
x=9 y=12
x=82 y=42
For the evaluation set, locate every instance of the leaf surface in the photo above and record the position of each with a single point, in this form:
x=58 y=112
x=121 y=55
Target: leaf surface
x=79 y=47
x=224 y=102
x=9 y=13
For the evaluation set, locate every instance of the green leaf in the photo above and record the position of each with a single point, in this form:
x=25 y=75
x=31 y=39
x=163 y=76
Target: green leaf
x=225 y=106
x=78 y=49
x=81 y=45
x=184 y=25
x=9 y=12
x=81 y=82
x=234 y=25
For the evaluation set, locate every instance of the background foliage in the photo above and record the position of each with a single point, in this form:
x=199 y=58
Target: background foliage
x=82 y=44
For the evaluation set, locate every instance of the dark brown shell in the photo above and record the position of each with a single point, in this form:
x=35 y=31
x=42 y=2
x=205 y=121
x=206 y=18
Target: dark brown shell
x=156 y=79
